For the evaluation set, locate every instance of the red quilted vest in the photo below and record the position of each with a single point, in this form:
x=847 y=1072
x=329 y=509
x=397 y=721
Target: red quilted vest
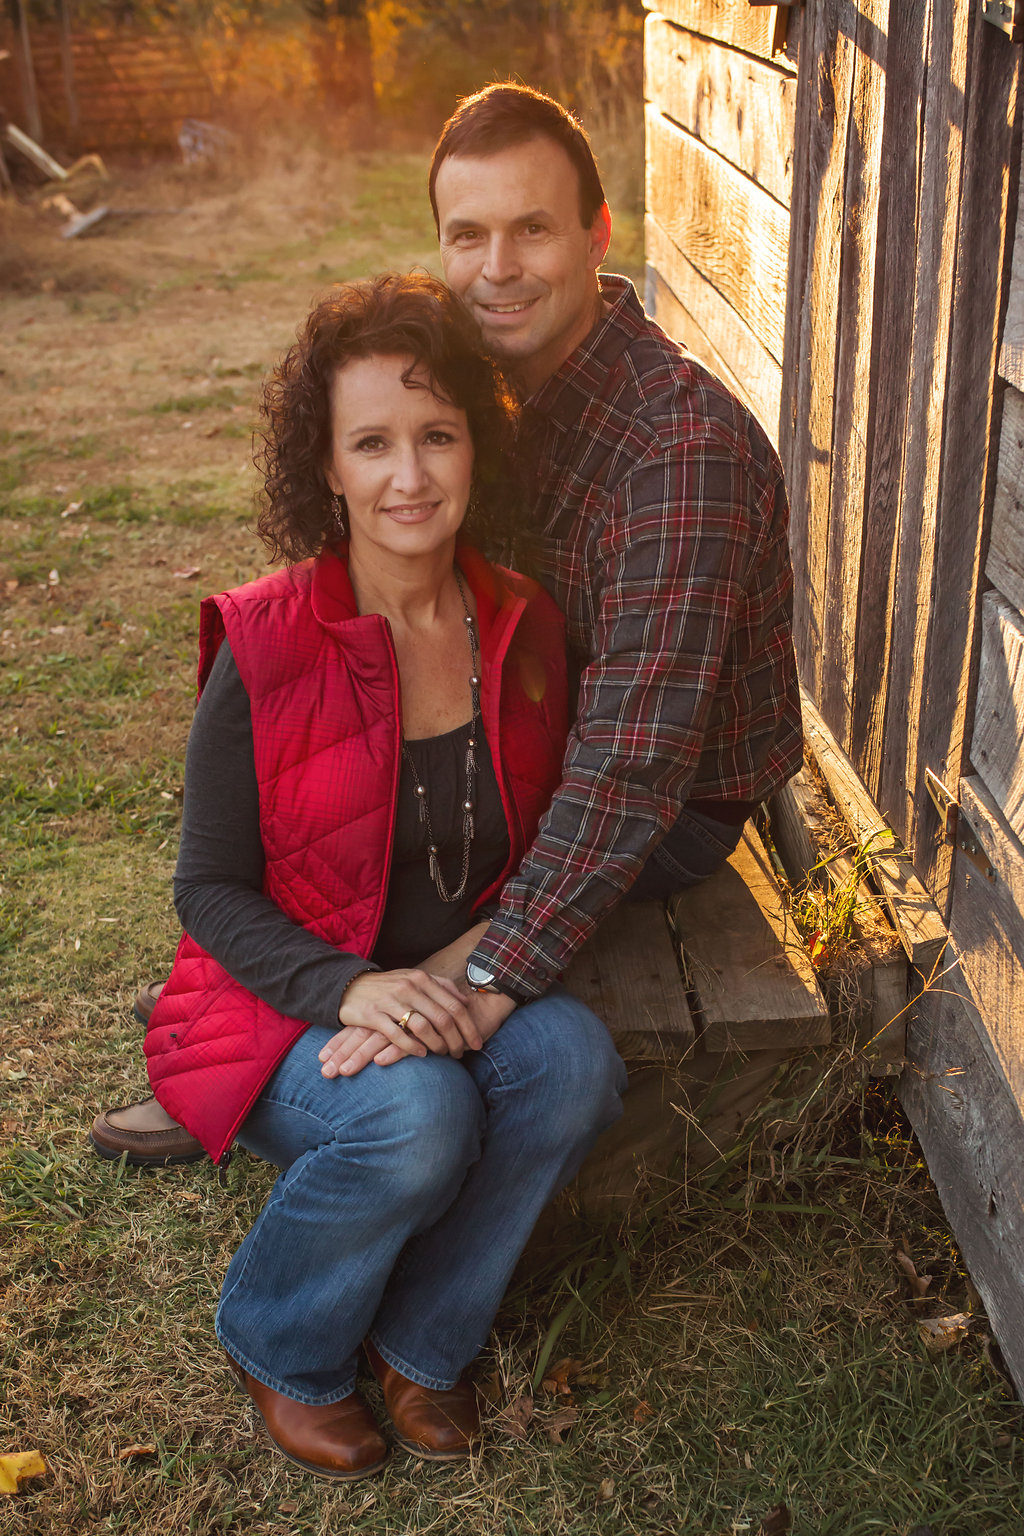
x=323 y=688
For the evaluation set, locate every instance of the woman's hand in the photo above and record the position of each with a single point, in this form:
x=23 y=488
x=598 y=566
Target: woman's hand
x=434 y=1017
x=352 y=1049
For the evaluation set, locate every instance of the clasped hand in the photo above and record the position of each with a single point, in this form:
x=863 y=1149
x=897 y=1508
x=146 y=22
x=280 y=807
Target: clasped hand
x=440 y=1017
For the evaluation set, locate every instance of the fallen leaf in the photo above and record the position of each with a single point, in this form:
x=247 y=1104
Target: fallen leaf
x=71 y=508
x=642 y=1412
x=941 y=1333
x=136 y=1450
x=54 y=578
x=747 y=1461
x=561 y=1419
x=516 y=1417
x=186 y=572
x=490 y=1388
x=1002 y=1441
x=776 y=1522
x=818 y=948
x=918 y=1283
x=560 y=1375
x=607 y=1488
x=15 y=1466
x=11 y=585
x=287 y=1508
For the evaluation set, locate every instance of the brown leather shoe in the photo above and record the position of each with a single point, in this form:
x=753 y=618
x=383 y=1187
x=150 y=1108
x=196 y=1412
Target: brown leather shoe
x=144 y=1149
x=336 y=1440
x=145 y=1000
x=437 y=1426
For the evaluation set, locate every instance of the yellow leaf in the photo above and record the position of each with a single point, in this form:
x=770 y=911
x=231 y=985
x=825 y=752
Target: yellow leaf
x=136 y=1450
x=17 y=1465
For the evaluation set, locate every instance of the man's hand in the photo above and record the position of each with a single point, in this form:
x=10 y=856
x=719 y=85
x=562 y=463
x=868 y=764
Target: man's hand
x=436 y=1018
x=468 y=1018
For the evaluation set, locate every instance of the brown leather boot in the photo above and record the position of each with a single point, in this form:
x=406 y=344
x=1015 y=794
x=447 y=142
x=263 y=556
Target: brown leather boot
x=336 y=1440
x=437 y=1426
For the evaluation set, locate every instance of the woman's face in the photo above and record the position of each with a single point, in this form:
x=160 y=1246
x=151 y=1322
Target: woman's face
x=401 y=456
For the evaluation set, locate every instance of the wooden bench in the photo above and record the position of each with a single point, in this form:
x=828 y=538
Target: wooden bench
x=707 y=999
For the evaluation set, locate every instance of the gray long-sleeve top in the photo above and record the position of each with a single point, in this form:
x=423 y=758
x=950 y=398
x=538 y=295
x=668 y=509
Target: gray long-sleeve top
x=218 y=882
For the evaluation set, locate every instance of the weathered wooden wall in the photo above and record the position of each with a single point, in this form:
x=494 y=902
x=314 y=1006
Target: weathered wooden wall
x=894 y=166
x=721 y=99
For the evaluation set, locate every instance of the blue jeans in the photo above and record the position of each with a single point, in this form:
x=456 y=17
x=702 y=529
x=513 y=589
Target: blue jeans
x=691 y=850
x=407 y=1195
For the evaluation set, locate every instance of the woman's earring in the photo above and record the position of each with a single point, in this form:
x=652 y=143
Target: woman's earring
x=338 y=513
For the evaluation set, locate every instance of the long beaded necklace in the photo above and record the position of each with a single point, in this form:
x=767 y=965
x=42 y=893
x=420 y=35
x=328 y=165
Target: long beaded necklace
x=468 y=799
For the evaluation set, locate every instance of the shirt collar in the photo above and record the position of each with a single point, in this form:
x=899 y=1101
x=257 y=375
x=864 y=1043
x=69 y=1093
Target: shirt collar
x=587 y=372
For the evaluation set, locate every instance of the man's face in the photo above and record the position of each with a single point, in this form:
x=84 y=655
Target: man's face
x=514 y=248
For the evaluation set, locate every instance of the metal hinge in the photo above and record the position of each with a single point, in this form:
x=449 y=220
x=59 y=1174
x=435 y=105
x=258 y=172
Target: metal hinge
x=956 y=830
x=1007 y=15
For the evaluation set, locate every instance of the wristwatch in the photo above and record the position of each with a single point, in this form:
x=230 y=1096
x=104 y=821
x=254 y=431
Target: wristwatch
x=479 y=980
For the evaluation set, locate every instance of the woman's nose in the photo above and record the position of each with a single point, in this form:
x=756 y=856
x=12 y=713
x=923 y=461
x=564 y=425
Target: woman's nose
x=409 y=473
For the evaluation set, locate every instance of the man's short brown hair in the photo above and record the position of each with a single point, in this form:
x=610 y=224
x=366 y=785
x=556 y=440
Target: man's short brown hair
x=501 y=116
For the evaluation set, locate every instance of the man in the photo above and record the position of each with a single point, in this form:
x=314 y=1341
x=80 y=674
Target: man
x=662 y=516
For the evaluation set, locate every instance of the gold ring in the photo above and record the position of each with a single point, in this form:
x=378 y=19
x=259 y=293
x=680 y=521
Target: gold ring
x=403 y=1022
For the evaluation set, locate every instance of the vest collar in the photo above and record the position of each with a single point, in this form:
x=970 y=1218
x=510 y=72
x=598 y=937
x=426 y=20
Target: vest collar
x=499 y=595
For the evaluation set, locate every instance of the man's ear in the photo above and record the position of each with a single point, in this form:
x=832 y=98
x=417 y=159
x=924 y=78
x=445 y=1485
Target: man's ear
x=600 y=235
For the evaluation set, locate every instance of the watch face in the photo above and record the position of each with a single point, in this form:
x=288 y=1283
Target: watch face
x=478 y=977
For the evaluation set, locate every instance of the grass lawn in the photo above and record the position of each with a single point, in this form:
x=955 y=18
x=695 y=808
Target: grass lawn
x=751 y=1344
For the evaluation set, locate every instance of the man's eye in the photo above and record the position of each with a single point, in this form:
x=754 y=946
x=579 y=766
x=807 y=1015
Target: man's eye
x=535 y=229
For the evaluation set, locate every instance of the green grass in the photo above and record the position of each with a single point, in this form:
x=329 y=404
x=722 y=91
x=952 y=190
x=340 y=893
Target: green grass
x=749 y=1342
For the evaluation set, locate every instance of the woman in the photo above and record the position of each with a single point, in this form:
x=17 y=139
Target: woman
x=379 y=730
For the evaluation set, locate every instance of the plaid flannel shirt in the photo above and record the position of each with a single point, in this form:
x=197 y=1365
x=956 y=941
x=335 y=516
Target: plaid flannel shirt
x=664 y=518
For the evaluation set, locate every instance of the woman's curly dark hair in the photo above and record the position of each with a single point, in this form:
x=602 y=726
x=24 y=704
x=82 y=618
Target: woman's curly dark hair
x=393 y=315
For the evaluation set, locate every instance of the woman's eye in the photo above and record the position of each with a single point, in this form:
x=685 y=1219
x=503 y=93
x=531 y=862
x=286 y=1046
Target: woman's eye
x=439 y=438
x=369 y=444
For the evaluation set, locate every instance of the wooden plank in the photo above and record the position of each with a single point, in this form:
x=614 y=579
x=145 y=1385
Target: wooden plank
x=970 y=445
x=987 y=928
x=731 y=231
x=825 y=85
x=970 y=1128
x=629 y=975
x=902 y=144
x=1005 y=564
x=740 y=108
x=1011 y=353
x=730 y=347
x=934 y=267
x=915 y=916
x=997 y=750
x=747 y=963
x=663 y=306
x=854 y=385
x=750 y=27
x=930 y=717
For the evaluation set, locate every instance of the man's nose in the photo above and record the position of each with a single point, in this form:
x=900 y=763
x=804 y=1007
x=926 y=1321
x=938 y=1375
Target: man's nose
x=501 y=261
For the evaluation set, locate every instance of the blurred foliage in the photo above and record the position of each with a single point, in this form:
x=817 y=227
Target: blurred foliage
x=383 y=72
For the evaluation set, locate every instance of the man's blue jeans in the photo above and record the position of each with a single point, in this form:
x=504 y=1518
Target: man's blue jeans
x=690 y=851
x=407 y=1195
